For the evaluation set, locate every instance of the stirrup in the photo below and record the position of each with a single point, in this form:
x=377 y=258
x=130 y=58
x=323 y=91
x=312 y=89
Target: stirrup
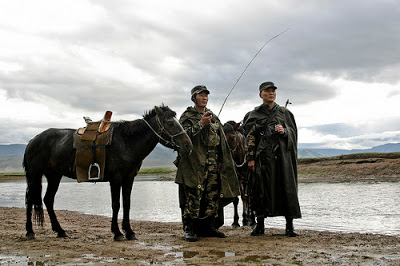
x=95 y=178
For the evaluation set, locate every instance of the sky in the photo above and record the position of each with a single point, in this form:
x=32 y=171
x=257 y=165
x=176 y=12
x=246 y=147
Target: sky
x=337 y=61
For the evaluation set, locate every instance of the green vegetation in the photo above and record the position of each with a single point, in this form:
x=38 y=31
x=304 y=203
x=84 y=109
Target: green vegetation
x=11 y=176
x=156 y=171
x=389 y=155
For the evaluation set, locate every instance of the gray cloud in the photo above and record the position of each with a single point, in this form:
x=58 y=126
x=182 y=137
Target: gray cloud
x=170 y=49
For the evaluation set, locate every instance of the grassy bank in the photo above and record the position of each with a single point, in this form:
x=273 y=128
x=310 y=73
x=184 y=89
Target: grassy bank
x=11 y=176
x=156 y=171
x=143 y=171
x=360 y=166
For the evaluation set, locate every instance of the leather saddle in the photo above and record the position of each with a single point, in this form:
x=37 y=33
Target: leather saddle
x=90 y=144
x=93 y=129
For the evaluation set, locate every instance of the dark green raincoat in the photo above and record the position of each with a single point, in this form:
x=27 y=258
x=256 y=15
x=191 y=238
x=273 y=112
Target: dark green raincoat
x=273 y=188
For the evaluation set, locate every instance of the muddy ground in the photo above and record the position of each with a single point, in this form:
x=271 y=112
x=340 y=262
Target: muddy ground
x=91 y=242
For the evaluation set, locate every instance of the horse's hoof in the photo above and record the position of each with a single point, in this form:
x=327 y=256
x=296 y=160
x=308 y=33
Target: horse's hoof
x=131 y=236
x=235 y=226
x=291 y=233
x=62 y=235
x=30 y=236
x=119 y=238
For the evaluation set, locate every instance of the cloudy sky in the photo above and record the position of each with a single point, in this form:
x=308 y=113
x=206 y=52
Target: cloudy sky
x=338 y=63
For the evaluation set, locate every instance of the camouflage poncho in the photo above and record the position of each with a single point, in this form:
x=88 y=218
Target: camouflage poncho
x=191 y=170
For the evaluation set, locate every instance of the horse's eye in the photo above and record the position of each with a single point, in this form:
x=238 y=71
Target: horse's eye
x=170 y=123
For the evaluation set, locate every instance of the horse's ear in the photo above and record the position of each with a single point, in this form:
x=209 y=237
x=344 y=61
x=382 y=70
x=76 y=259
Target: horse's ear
x=159 y=111
x=236 y=126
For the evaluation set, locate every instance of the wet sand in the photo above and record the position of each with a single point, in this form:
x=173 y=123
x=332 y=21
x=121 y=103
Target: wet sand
x=90 y=241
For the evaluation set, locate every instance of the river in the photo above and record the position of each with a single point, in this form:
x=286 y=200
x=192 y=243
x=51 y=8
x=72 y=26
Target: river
x=364 y=207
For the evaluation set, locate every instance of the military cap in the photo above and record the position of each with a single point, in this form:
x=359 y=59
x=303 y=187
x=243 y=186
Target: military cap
x=198 y=89
x=266 y=85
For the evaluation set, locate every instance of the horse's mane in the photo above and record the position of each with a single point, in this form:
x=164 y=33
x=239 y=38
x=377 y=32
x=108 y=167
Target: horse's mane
x=138 y=126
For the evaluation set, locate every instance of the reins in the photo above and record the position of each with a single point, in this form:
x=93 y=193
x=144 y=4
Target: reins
x=233 y=150
x=163 y=130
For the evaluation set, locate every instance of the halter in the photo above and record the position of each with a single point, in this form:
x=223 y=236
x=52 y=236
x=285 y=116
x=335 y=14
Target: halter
x=233 y=150
x=162 y=129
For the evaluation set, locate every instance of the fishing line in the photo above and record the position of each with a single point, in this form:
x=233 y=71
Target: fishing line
x=247 y=67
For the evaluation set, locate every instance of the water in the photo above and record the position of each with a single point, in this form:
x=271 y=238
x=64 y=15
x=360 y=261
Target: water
x=340 y=207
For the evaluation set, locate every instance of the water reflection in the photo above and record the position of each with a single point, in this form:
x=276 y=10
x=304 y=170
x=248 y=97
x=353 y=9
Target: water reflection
x=348 y=207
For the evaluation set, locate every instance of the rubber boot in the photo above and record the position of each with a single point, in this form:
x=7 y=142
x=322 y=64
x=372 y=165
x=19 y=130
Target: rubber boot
x=290 y=232
x=188 y=230
x=211 y=230
x=259 y=229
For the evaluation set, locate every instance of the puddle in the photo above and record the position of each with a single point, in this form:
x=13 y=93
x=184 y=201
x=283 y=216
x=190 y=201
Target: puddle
x=255 y=258
x=182 y=255
x=14 y=260
x=24 y=260
x=222 y=254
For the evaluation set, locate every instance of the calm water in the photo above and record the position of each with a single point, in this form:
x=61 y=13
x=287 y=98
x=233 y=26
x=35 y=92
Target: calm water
x=349 y=207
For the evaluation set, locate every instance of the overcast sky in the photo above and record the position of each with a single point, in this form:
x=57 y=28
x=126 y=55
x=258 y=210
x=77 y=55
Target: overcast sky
x=339 y=63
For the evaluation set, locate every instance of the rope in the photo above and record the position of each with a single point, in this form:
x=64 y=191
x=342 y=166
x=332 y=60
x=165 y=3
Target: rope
x=237 y=81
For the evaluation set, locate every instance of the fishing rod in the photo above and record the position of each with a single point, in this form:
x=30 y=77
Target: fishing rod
x=247 y=67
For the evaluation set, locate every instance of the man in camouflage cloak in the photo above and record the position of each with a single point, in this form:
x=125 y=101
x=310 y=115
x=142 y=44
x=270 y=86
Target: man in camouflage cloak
x=272 y=159
x=207 y=175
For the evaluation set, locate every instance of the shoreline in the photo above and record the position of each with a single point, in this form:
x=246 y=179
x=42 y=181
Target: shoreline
x=90 y=241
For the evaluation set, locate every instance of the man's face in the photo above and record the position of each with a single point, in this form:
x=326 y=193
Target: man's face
x=268 y=95
x=202 y=99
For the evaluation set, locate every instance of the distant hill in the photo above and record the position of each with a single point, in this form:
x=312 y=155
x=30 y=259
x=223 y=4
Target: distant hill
x=12 y=150
x=160 y=157
x=11 y=155
x=389 y=147
x=11 y=158
x=308 y=153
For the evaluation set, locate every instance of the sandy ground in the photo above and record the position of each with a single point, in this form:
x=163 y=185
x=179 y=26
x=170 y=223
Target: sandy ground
x=91 y=241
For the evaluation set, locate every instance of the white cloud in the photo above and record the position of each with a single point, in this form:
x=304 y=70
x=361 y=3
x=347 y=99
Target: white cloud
x=47 y=16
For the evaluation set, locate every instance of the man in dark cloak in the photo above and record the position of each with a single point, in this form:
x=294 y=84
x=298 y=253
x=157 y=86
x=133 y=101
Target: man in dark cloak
x=272 y=159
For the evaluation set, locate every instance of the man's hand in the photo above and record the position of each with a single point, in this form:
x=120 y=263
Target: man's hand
x=280 y=129
x=206 y=119
x=252 y=165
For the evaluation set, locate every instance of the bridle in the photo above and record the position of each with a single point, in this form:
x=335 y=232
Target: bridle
x=162 y=130
x=234 y=150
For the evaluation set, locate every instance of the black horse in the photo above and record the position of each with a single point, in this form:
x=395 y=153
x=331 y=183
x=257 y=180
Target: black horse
x=236 y=141
x=51 y=154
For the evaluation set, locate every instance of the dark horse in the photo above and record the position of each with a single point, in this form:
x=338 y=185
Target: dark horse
x=236 y=140
x=51 y=154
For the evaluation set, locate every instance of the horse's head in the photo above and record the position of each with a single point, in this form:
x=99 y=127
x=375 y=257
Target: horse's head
x=231 y=132
x=171 y=132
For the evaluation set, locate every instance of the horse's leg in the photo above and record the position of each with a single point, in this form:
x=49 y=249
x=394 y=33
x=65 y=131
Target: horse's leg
x=115 y=194
x=235 y=215
x=126 y=201
x=245 y=213
x=251 y=217
x=53 y=182
x=30 y=234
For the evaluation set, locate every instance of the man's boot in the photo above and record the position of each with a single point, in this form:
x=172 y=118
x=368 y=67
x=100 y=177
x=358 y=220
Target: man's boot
x=259 y=229
x=289 y=228
x=188 y=230
x=211 y=230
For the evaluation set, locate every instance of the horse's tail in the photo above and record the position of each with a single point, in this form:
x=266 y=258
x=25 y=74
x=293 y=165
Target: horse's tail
x=33 y=196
